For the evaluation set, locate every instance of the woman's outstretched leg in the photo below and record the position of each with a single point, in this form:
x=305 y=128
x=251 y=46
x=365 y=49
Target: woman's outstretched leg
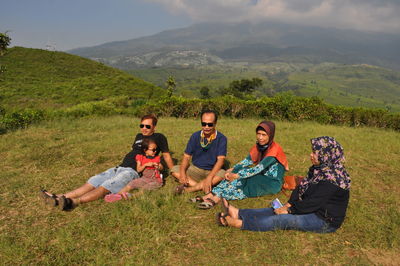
x=237 y=223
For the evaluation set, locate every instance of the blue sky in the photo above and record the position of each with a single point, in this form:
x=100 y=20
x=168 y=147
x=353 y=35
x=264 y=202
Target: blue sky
x=68 y=24
x=77 y=23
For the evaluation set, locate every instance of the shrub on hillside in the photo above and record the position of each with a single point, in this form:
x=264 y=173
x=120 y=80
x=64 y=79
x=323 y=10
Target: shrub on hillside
x=282 y=107
x=90 y=108
x=20 y=119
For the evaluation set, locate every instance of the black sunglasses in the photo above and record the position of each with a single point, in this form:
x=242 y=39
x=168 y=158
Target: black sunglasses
x=142 y=126
x=154 y=150
x=203 y=124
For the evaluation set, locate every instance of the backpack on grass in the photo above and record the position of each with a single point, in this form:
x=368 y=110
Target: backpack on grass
x=291 y=182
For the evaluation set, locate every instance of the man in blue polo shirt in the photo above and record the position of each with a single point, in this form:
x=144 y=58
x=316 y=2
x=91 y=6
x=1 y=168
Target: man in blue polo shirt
x=207 y=150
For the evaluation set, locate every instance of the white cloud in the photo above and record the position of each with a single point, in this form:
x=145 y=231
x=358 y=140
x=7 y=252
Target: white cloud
x=376 y=15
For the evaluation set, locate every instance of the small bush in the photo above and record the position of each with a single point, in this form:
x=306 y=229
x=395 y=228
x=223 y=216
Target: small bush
x=20 y=119
x=90 y=108
x=284 y=106
x=281 y=107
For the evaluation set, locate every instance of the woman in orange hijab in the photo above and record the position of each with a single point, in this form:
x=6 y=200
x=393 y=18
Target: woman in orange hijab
x=260 y=173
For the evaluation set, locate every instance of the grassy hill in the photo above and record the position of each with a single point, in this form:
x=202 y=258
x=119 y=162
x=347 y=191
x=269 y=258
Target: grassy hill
x=44 y=79
x=157 y=228
x=349 y=85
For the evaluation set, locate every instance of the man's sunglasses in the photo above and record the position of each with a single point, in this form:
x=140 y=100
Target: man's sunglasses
x=203 y=124
x=147 y=126
x=153 y=150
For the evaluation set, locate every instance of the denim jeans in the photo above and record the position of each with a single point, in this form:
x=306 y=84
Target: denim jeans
x=266 y=220
x=114 y=179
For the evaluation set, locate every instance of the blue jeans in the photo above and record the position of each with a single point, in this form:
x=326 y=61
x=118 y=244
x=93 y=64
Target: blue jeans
x=266 y=220
x=114 y=179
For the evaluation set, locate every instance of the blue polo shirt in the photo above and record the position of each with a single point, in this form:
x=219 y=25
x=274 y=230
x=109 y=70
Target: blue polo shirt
x=206 y=158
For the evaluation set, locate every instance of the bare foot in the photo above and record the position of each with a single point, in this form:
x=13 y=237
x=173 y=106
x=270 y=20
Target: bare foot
x=212 y=197
x=207 y=196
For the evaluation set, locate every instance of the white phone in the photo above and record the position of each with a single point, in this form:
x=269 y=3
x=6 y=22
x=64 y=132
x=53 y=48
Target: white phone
x=276 y=204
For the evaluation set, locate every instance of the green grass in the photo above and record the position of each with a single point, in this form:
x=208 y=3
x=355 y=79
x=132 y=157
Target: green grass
x=42 y=79
x=158 y=228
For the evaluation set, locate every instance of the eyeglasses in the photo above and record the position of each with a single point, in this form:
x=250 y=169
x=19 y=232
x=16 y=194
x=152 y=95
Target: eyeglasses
x=147 y=126
x=203 y=124
x=153 y=150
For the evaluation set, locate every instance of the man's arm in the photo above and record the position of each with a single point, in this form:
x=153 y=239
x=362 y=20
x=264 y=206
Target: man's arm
x=168 y=159
x=207 y=183
x=184 y=166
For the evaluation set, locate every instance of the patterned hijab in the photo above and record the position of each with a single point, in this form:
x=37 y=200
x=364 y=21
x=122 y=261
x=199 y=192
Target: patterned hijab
x=331 y=168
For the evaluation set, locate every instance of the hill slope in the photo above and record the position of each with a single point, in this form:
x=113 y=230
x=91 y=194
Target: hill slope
x=43 y=79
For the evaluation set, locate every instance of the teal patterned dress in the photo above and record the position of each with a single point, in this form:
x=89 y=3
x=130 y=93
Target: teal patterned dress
x=254 y=180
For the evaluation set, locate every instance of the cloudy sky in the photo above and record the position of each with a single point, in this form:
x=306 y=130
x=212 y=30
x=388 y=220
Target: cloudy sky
x=68 y=24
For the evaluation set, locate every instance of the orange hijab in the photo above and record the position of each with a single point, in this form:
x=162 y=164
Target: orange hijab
x=274 y=149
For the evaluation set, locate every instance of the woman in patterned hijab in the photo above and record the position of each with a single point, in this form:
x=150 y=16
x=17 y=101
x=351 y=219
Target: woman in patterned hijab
x=329 y=153
x=318 y=204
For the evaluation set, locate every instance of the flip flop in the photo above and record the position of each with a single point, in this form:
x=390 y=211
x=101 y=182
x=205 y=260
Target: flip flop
x=196 y=199
x=112 y=198
x=219 y=216
x=224 y=208
x=49 y=198
x=206 y=204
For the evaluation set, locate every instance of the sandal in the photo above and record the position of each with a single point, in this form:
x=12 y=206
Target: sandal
x=66 y=204
x=49 y=198
x=224 y=208
x=196 y=199
x=116 y=197
x=179 y=189
x=219 y=216
x=206 y=204
x=112 y=198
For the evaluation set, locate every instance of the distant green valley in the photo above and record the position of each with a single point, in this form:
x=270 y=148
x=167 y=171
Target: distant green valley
x=38 y=85
x=339 y=84
x=46 y=80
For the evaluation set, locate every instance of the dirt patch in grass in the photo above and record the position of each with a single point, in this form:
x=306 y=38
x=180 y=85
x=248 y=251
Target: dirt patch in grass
x=382 y=257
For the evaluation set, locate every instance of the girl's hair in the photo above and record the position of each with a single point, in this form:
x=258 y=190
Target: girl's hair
x=146 y=143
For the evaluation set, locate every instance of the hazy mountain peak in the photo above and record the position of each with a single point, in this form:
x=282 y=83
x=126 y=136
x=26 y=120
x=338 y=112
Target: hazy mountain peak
x=252 y=42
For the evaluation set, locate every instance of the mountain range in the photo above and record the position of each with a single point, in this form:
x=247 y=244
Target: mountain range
x=217 y=43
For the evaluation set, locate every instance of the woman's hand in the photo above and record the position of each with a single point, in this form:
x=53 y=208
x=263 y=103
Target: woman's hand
x=288 y=205
x=282 y=210
x=231 y=176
